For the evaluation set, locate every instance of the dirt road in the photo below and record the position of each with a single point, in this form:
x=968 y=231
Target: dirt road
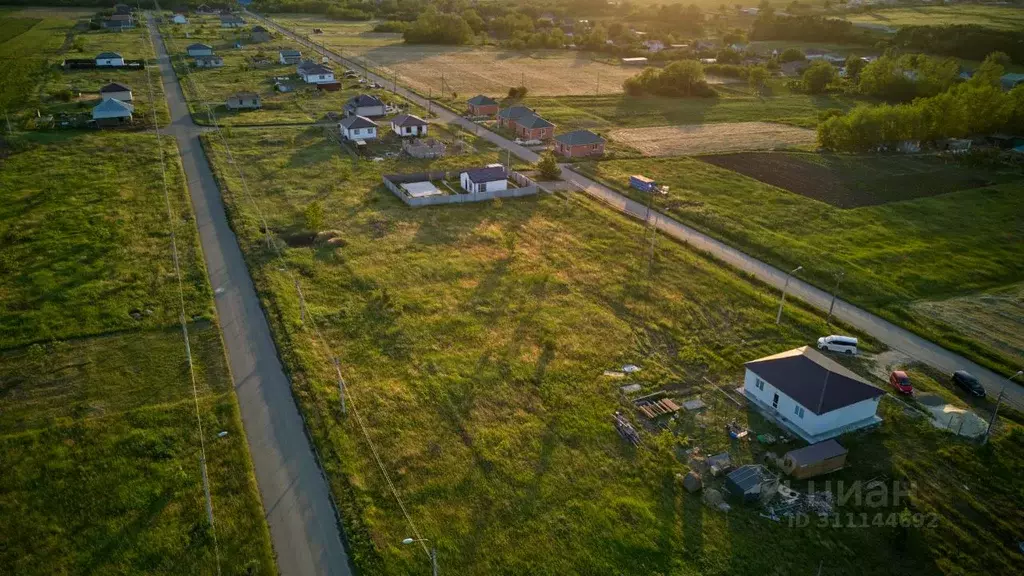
x=296 y=499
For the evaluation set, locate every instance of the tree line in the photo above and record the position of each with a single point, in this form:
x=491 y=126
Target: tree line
x=769 y=26
x=969 y=41
x=680 y=78
x=976 y=107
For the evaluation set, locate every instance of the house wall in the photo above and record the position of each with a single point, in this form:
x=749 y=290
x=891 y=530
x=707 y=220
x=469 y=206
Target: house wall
x=123 y=96
x=369 y=111
x=359 y=133
x=484 y=110
x=318 y=78
x=110 y=62
x=812 y=424
x=410 y=130
x=579 y=149
x=535 y=133
x=481 y=187
x=201 y=52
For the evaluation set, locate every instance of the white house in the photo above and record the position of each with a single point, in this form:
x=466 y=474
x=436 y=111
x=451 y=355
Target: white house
x=199 y=50
x=288 y=56
x=179 y=19
x=109 y=59
x=811 y=395
x=409 y=125
x=112 y=112
x=313 y=73
x=488 y=179
x=116 y=91
x=357 y=128
x=365 y=105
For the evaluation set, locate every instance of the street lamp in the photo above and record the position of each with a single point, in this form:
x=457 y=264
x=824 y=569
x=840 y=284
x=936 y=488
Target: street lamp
x=433 y=552
x=839 y=278
x=992 y=420
x=782 y=301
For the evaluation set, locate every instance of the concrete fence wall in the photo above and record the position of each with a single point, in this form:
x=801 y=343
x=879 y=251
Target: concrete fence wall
x=393 y=182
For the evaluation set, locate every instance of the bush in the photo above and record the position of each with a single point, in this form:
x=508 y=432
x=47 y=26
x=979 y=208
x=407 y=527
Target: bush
x=433 y=27
x=817 y=77
x=314 y=215
x=792 y=55
x=548 y=168
x=517 y=92
x=680 y=78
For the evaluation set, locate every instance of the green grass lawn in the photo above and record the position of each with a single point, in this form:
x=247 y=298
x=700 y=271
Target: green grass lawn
x=893 y=254
x=98 y=431
x=734 y=104
x=473 y=339
x=88 y=244
x=33 y=79
x=213 y=86
x=998 y=17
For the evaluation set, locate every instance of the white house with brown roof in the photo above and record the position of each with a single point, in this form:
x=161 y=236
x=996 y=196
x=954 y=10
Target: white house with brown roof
x=409 y=125
x=810 y=394
x=117 y=91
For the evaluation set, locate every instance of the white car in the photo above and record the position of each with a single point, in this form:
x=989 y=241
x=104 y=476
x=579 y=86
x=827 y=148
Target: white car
x=841 y=344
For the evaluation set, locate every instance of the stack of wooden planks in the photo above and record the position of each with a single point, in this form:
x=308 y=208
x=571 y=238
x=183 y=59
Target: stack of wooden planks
x=656 y=408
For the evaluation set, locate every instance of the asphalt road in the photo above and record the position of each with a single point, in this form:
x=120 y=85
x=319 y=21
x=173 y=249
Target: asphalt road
x=882 y=330
x=296 y=500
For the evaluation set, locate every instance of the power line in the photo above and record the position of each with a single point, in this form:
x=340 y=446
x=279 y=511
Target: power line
x=181 y=313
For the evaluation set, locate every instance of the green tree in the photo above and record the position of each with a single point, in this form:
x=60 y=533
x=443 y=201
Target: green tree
x=476 y=23
x=854 y=66
x=792 y=55
x=757 y=76
x=991 y=70
x=314 y=215
x=548 y=168
x=818 y=76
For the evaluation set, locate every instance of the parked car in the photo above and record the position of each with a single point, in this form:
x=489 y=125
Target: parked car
x=968 y=382
x=901 y=382
x=841 y=344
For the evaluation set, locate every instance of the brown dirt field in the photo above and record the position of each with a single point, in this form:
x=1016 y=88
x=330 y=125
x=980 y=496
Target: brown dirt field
x=470 y=71
x=856 y=181
x=703 y=138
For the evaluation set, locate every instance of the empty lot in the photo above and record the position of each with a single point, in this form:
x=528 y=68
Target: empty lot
x=703 y=138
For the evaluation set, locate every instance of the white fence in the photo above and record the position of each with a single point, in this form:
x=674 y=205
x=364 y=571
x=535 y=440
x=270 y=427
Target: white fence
x=393 y=182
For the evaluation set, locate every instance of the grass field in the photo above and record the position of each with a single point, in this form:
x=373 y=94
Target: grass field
x=98 y=429
x=998 y=17
x=889 y=247
x=213 y=86
x=709 y=138
x=733 y=104
x=472 y=340
x=467 y=70
x=32 y=79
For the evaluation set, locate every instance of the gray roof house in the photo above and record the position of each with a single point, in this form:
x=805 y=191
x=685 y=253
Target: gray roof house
x=365 y=105
x=487 y=174
x=244 y=101
x=117 y=91
x=579 y=137
x=513 y=112
x=810 y=394
x=350 y=122
x=481 y=100
x=288 y=56
x=198 y=49
x=532 y=120
x=259 y=34
x=111 y=112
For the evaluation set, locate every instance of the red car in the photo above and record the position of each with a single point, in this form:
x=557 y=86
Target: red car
x=901 y=382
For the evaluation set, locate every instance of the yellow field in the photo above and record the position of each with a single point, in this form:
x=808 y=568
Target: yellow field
x=707 y=138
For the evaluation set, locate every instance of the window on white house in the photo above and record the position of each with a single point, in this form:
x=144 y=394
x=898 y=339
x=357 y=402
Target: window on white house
x=759 y=384
x=799 y=411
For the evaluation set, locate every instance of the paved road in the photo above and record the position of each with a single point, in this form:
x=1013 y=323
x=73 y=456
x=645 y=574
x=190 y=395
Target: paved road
x=303 y=526
x=886 y=332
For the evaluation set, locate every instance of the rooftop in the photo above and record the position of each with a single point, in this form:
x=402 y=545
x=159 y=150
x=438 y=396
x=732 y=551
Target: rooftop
x=816 y=382
x=408 y=120
x=350 y=122
x=364 y=100
x=481 y=100
x=816 y=452
x=577 y=137
x=513 y=112
x=108 y=55
x=532 y=120
x=112 y=105
x=486 y=174
x=115 y=87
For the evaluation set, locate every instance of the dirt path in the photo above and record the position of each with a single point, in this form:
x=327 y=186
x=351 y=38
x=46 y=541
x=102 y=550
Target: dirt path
x=296 y=499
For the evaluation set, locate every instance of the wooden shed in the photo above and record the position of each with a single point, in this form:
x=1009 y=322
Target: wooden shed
x=814 y=460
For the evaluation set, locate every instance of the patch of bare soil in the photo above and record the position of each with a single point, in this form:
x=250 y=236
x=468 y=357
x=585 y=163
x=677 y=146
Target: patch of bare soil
x=713 y=138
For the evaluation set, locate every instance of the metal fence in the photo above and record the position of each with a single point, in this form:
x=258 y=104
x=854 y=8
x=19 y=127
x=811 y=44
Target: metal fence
x=393 y=182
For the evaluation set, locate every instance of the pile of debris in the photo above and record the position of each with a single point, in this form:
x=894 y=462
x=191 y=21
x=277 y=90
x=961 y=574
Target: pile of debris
x=626 y=430
x=792 y=503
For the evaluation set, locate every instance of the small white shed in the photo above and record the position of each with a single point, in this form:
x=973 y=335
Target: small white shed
x=112 y=59
x=487 y=179
x=117 y=91
x=358 y=128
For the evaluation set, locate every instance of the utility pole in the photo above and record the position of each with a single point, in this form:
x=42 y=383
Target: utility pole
x=598 y=90
x=341 y=386
x=839 y=277
x=782 y=301
x=999 y=400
